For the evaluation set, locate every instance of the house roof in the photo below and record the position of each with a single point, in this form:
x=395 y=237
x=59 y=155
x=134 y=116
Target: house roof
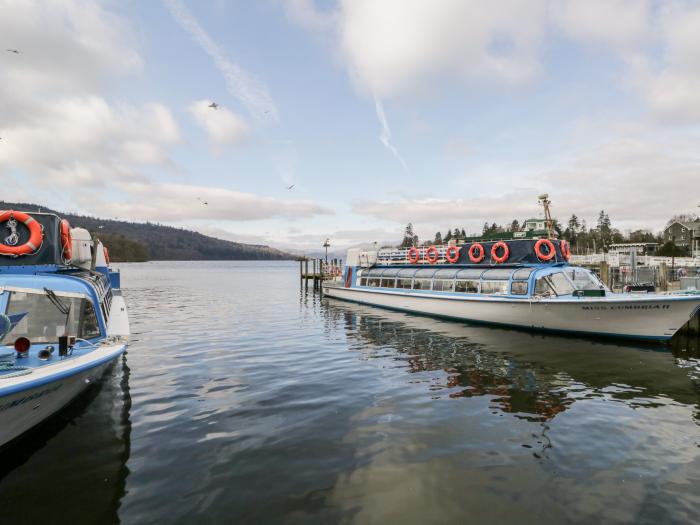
x=689 y=225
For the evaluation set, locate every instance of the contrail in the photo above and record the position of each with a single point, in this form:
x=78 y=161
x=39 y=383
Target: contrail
x=385 y=137
x=245 y=87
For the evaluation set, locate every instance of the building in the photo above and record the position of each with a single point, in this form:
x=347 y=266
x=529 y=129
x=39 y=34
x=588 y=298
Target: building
x=686 y=234
x=534 y=225
x=640 y=248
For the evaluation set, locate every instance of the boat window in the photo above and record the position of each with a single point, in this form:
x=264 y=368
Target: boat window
x=44 y=322
x=444 y=285
x=373 y=281
x=496 y=274
x=518 y=288
x=467 y=286
x=494 y=287
x=404 y=283
x=470 y=273
x=445 y=273
x=388 y=283
x=421 y=284
x=390 y=272
x=363 y=281
x=425 y=272
x=523 y=273
x=407 y=272
x=543 y=287
x=562 y=286
x=583 y=279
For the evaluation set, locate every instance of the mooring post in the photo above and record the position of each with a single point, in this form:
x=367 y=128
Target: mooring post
x=605 y=273
x=663 y=277
x=301 y=269
x=306 y=271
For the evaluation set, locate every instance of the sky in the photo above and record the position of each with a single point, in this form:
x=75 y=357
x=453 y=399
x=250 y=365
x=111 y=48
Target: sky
x=348 y=119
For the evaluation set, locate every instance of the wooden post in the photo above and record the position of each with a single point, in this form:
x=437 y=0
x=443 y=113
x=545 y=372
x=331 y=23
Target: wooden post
x=605 y=273
x=306 y=271
x=663 y=277
x=301 y=269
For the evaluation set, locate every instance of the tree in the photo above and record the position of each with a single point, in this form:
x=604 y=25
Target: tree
x=409 y=238
x=448 y=235
x=485 y=230
x=464 y=234
x=456 y=234
x=604 y=229
x=515 y=226
x=438 y=238
x=682 y=217
x=671 y=250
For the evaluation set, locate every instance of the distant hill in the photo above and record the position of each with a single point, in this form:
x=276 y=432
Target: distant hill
x=135 y=241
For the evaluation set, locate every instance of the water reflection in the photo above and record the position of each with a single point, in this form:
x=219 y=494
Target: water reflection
x=531 y=376
x=72 y=468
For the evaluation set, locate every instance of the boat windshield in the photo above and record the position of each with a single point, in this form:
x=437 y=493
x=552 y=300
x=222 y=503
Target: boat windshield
x=584 y=279
x=553 y=284
x=43 y=316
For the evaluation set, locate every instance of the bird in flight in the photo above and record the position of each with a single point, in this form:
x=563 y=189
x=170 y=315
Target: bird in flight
x=204 y=203
x=15 y=51
x=290 y=187
x=213 y=105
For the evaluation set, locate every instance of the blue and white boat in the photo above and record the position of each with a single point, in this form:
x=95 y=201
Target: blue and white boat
x=63 y=320
x=524 y=283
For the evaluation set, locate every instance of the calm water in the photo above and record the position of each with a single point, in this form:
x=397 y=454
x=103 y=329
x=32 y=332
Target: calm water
x=242 y=400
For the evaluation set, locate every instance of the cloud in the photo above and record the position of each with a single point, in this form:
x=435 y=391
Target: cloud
x=175 y=202
x=385 y=137
x=402 y=45
x=245 y=87
x=222 y=125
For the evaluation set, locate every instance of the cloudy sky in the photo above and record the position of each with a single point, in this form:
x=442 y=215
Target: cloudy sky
x=378 y=112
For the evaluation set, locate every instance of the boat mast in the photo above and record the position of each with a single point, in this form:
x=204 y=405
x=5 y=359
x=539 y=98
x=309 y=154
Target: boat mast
x=545 y=202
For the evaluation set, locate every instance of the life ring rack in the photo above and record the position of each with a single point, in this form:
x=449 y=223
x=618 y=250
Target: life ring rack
x=36 y=234
x=551 y=250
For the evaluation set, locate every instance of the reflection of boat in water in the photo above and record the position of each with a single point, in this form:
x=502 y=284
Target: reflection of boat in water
x=62 y=311
x=81 y=455
x=523 y=283
x=534 y=376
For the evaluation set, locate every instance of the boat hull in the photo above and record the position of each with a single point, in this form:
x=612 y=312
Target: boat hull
x=631 y=317
x=26 y=401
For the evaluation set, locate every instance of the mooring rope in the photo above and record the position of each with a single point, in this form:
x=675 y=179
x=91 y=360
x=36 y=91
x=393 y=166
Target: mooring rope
x=8 y=368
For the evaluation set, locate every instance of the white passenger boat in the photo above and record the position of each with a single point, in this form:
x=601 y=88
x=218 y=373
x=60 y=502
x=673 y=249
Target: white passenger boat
x=63 y=320
x=525 y=283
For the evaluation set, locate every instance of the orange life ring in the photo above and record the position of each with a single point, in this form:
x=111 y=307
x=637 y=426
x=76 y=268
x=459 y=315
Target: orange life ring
x=106 y=252
x=494 y=252
x=36 y=234
x=413 y=255
x=452 y=254
x=565 y=249
x=545 y=256
x=66 y=241
x=431 y=254
x=476 y=258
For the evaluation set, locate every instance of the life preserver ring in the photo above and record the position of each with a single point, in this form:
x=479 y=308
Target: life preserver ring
x=106 y=253
x=494 y=252
x=413 y=255
x=472 y=255
x=550 y=247
x=66 y=241
x=431 y=254
x=36 y=234
x=452 y=254
x=565 y=249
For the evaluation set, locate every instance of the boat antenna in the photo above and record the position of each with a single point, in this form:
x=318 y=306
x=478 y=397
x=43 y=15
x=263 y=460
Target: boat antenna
x=545 y=202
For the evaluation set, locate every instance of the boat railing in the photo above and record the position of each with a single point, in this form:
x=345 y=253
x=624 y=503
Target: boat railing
x=389 y=256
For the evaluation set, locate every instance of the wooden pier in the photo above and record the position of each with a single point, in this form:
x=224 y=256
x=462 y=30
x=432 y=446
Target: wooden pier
x=318 y=270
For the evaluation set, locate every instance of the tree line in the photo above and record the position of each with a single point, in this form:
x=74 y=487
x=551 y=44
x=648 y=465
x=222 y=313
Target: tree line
x=582 y=237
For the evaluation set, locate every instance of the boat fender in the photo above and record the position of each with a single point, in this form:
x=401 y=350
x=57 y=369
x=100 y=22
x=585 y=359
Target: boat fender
x=565 y=249
x=106 y=252
x=452 y=254
x=413 y=255
x=551 y=251
x=494 y=252
x=66 y=241
x=431 y=254
x=36 y=234
x=476 y=253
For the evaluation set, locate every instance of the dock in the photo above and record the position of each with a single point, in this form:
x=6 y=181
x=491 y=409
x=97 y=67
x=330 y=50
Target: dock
x=319 y=270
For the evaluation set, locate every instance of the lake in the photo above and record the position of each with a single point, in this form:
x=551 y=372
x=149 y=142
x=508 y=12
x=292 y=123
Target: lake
x=245 y=398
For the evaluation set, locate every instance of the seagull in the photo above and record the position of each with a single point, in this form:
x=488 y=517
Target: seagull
x=205 y=203
x=213 y=105
x=290 y=187
x=15 y=51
